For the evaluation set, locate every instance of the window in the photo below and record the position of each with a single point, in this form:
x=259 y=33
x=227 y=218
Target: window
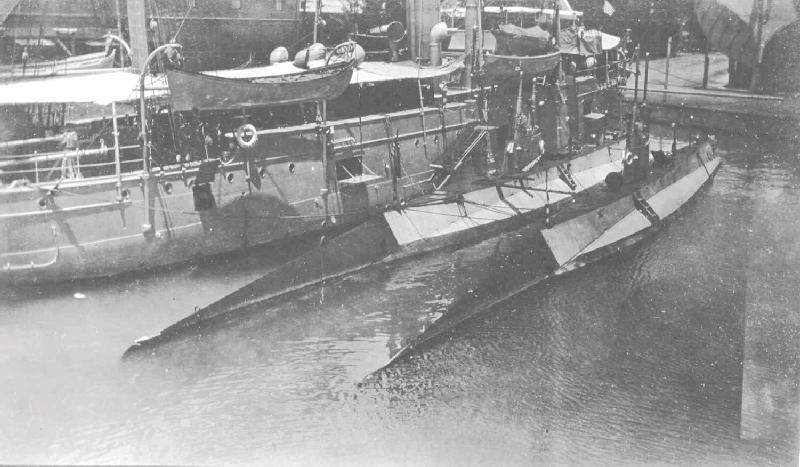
x=278 y=5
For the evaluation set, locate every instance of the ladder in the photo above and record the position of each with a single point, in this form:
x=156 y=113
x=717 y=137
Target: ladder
x=644 y=207
x=566 y=176
x=462 y=150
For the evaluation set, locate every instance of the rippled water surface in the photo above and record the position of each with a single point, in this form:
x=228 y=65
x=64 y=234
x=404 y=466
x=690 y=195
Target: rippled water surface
x=635 y=359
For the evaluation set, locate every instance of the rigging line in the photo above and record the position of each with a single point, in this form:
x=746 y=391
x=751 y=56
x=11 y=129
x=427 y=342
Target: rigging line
x=459 y=216
x=180 y=26
x=262 y=217
x=360 y=119
x=179 y=211
x=419 y=86
x=157 y=32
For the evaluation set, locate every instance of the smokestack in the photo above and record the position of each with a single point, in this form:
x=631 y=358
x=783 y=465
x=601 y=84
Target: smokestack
x=137 y=30
x=422 y=16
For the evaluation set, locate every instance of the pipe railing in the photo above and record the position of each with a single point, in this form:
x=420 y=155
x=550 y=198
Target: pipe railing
x=8 y=160
x=37 y=171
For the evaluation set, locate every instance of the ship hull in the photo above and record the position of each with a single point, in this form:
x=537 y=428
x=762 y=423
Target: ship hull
x=585 y=235
x=559 y=223
x=107 y=225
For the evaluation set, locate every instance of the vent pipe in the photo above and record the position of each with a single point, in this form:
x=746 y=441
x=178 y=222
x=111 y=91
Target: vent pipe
x=422 y=16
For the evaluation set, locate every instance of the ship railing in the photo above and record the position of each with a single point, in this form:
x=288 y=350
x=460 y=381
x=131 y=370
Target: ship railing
x=66 y=164
x=611 y=70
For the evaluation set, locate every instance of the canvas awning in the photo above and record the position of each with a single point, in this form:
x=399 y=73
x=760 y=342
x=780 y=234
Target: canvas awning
x=335 y=7
x=376 y=72
x=741 y=28
x=6 y=7
x=564 y=13
x=591 y=41
x=366 y=72
x=99 y=88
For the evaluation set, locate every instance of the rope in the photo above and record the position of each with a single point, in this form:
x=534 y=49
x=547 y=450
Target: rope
x=175 y=37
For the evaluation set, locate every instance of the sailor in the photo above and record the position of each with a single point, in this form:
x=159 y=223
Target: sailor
x=25 y=57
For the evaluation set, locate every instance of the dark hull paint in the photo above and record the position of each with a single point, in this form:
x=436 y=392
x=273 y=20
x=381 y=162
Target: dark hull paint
x=83 y=230
x=377 y=242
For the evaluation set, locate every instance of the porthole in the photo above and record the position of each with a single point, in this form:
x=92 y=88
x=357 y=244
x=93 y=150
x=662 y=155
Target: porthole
x=168 y=188
x=229 y=177
x=291 y=167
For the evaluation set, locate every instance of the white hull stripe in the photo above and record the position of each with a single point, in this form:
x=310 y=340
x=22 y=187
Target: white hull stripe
x=484 y=206
x=583 y=235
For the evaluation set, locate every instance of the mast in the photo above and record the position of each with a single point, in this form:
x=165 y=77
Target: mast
x=421 y=16
x=470 y=24
x=119 y=18
x=317 y=8
x=137 y=31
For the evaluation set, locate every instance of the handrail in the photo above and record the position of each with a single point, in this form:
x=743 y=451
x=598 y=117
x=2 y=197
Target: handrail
x=83 y=166
x=8 y=161
x=24 y=142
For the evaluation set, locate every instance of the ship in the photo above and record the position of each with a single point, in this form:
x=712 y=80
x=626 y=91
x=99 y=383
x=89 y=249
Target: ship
x=103 y=174
x=564 y=207
x=69 y=211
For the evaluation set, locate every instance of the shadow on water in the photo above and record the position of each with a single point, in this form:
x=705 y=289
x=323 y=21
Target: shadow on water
x=229 y=268
x=636 y=359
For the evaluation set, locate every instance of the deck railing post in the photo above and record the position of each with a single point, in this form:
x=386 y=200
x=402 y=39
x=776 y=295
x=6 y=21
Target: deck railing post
x=116 y=150
x=148 y=227
x=706 y=63
x=666 y=72
x=646 y=75
x=322 y=118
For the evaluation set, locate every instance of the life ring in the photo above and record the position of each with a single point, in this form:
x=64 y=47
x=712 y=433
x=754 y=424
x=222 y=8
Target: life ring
x=242 y=132
x=629 y=158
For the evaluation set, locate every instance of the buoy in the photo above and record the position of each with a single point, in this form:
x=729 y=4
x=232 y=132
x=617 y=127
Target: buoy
x=242 y=132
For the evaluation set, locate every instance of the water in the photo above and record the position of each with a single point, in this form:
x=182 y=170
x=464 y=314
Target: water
x=637 y=359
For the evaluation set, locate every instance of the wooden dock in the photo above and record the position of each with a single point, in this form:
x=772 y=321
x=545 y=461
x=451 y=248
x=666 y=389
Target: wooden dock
x=682 y=99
